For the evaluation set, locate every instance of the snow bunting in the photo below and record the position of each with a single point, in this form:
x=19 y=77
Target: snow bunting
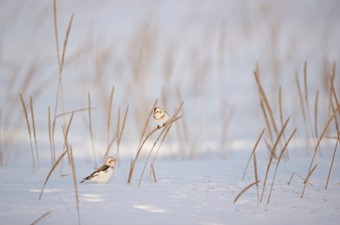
x=103 y=173
x=160 y=116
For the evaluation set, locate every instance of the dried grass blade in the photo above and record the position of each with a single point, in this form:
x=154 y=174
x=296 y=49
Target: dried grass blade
x=28 y=128
x=90 y=128
x=51 y=171
x=272 y=156
x=41 y=217
x=244 y=190
x=266 y=102
x=75 y=185
x=253 y=151
x=34 y=132
x=65 y=43
x=278 y=162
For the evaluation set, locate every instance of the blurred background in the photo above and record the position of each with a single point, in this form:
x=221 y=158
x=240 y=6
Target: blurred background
x=200 y=52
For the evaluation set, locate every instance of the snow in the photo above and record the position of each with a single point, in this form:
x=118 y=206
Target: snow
x=211 y=48
x=187 y=192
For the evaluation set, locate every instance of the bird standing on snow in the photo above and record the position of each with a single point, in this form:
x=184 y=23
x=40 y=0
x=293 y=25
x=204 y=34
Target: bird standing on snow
x=160 y=116
x=103 y=173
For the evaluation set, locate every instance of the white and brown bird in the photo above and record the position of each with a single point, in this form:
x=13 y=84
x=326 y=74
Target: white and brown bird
x=103 y=173
x=160 y=116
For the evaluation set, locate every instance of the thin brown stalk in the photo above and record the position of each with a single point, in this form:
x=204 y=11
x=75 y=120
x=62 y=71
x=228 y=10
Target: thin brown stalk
x=316 y=114
x=41 y=217
x=278 y=162
x=109 y=110
x=266 y=121
x=34 y=132
x=51 y=171
x=306 y=97
x=90 y=128
x=153 y=173
x=305 y=85
x=50 y=136
x=301 y=98
x=332 y=162
x=281 y=117
x=307 y=179
x=296 y=174
x=163 y=133
x=266 y=102
x=272 y=156
x=75 y=185
x=141 y=143
x=147 y=122
x=280 y=106
x=336 y=127
x=245 y=189
x=120 y=130
x=29 y=129
x=174 y=118
x=253 y=151
x=65 y=43
x=318 y=144
x=55 y=20
x=256 y=178
x=60 y=157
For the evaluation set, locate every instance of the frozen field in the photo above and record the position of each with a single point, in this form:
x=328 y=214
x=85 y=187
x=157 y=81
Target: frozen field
x=187 y=192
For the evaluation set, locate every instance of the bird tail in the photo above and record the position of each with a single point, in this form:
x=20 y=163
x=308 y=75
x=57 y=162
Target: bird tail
x=83 y=180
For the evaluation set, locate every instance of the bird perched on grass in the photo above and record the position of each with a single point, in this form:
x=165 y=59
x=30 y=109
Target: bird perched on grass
x=160 y=117
x=103 y=173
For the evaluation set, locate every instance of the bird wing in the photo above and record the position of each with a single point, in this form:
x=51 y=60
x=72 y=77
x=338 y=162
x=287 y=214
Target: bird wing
x=96 y=172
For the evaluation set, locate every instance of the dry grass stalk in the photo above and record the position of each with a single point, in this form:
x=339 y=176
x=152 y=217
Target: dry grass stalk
x=316 y=114
x=267 y=122
x=256 y=178
x=307 y=179
x=332 y=162
x=55 y=20
x=163 y=134
x=245 y=189
x=266 y=102
x=50 y=136
x=272 y=156
x=51 y=171
x=29 y=130
x=90 y=129
x=294 y=174
x=281 y=118
x=120 y=130
x=301 y=98
x=109 y=110
x=153 y=173
x=278 y=162
x=253 y=152
x=74 y=176
x=34 y=132
x=60 y=157
x=141 y=143
x=336 y=127
x=65 y=43
x=174 y=118
x=147 y=122
x=318 y=144
x=41 y=217
x=61 y=60
x=306 y=98
x=305 y=85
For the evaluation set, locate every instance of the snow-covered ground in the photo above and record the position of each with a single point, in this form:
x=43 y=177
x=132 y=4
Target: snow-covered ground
x=187 y=192
x=200 y=52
